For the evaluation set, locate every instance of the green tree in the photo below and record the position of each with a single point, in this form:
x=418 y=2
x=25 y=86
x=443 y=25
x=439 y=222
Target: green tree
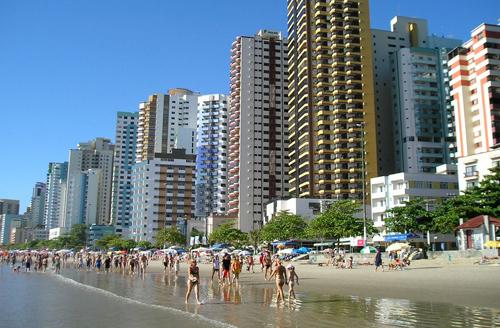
x=170 y=236
x=78 y=235
x=254 y=238
x=227 y=233
x=128 y=244
x=338 y=221
x=284 y=226
x=109 y=241
x=412 y=217
x=195 y=232
x=144 y=243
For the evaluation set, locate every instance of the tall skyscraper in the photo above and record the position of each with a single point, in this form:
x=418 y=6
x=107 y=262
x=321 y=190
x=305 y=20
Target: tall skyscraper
x=163 y=194
x=475 y=81
x=475 y=75
x=124 y=159
x=56 y=194
x=167 y=122
x=9 y=206
x=90 y=173
x=333 y=150
x=37 y=205
x=258 y=162
x=414 y=126
x=211 y=155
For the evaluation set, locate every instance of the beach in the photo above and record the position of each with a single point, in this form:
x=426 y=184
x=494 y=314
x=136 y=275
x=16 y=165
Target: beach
x=430 y=293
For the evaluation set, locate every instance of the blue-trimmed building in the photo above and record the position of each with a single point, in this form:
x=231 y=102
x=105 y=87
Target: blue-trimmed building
x=211 y=159
x=124 y=159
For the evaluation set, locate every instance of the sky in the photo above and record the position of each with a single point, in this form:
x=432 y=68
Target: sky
x=67 y=66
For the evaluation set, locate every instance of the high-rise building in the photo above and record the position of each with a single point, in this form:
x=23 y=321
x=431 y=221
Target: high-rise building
x=9 y=206
x=258 y=162
x=55 y=199
x=475 y=82
x=7 y=222
x=167 y=122
x=163 y=194
x=211 y=155
x=37 y=205
x=88 y=193
x=124 y=159
x=414 y=126
x=475 y=76
x=333 y=149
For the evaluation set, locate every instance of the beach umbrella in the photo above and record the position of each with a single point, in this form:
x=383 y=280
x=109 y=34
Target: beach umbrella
x=397 y=247
x=492 y=244
x=368 y=250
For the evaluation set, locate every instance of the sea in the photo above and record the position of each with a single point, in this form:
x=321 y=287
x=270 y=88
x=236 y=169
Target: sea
x=81 y=299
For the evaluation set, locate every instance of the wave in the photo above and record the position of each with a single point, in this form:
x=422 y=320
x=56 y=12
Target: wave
x=188 y=315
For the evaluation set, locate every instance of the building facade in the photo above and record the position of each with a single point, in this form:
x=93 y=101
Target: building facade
x=7 y=223
x=211 y=155
x=163 y=194
x=331 y=101
x=414 y=121
x=9 y=206
x=394 y=190
x=56 y=194
x=124 y=159
x=475 y=81
x=88 y=191
x=473 y=168
x=167 y=121
x=258 y=126
x=37 y=205
x=307 y=208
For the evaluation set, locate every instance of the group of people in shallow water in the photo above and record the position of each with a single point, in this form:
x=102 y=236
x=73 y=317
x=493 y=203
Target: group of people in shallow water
x=227 y=269
x=38 y=262
x=132 y=264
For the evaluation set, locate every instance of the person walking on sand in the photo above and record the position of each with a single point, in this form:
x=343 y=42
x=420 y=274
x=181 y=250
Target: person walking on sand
x=267 y=264
x=216 y=267
x=193 y=281
x=378 y=260
x=226 y=267
x=292 y=279
x=236 y=270
x=280 y=273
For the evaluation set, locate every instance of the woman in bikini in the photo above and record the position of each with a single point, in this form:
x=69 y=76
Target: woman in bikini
x=193 y=281
x=280 y=273
x=292 y=279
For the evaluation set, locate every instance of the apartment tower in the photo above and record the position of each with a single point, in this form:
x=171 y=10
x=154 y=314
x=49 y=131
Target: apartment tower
x=211 y=155
x=124 y=159
x=332 y=137
x=258 y=163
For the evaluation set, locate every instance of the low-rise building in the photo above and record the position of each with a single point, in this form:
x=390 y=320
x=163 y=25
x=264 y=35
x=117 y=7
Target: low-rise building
x=474 y=233
x=57 y=232
x=305 y=207
x=394 y=190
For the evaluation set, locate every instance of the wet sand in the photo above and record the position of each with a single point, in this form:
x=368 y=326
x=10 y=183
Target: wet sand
x=434 y=281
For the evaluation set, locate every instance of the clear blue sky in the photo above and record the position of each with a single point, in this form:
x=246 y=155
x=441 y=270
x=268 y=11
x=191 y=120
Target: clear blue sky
x=67 y=66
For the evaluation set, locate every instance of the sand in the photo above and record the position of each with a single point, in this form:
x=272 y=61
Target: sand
x=459 y=283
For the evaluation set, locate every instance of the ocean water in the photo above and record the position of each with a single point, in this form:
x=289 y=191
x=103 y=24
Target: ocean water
x=87 y=299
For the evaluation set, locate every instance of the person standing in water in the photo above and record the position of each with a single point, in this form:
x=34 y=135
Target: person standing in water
x=236 y=270
x=292 y=279
x=378 y=260
x=280 y=273
x=267 y=264
x=226 y=268
x=193 y=281
x=216 y=267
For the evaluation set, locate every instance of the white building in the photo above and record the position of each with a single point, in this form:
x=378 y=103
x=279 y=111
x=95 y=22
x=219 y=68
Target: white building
x=90 y=174
x=124 y=159
x=57 y=232
x=167 y=122
x=307 y=208
x=473 y=168
x=56 y=194
x=393 y=190
x=211 y=155
x=258 y=128
x=412 y=95
x=163 y=194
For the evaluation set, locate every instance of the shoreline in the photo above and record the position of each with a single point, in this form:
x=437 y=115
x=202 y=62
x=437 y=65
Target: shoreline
x=424 y=281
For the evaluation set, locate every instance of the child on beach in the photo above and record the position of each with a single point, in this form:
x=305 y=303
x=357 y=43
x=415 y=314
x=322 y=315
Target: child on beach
x=292 y=279
x=236 y=269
